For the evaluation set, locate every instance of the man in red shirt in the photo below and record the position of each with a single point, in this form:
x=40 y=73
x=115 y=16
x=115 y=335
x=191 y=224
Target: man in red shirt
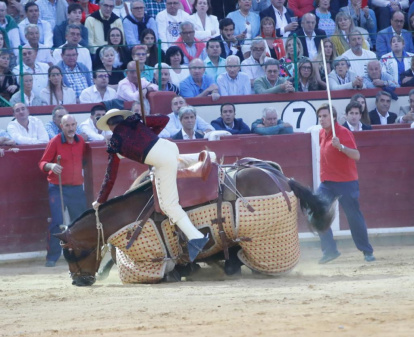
x=71 y=148
x=339 y=179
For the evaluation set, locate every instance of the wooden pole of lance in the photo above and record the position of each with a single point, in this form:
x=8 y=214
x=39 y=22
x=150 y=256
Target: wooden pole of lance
x=141 y=96
x=328 y=89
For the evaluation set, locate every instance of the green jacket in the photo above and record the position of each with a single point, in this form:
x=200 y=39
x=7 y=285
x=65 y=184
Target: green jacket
x=262 y=86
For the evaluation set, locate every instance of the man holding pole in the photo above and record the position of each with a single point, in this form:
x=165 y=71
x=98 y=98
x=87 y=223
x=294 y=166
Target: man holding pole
x=63 y=161
x=339 y=179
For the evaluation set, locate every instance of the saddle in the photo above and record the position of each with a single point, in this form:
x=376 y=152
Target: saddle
x=196 y=184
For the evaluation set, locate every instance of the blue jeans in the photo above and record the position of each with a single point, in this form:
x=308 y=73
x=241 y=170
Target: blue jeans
x=75 y=200
x=348 y=193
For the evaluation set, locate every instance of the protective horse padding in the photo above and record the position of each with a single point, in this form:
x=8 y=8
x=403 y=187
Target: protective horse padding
x=137 y=265
x=202 y=217
x=274 y=247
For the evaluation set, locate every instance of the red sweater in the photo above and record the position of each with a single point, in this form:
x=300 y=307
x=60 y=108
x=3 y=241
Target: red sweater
x=72 y=160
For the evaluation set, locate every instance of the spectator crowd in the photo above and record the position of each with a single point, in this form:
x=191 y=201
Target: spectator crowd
x=58 y=52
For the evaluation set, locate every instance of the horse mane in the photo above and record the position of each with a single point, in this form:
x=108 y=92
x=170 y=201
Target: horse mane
x=137 y=188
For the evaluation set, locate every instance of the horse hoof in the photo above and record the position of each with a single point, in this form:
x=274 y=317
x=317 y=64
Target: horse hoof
x=172 y=276
x=232 y=268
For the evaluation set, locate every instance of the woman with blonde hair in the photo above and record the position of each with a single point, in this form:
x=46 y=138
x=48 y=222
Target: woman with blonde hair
x=56 y=93
x=287 y=63
x=330 y=55
x=307 y=80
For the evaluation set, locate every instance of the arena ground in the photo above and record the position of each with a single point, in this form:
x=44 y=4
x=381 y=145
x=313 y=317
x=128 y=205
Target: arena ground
x=347 y=297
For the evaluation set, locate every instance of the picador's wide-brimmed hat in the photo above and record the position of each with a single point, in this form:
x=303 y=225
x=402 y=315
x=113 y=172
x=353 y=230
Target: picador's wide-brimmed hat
x=102 y=122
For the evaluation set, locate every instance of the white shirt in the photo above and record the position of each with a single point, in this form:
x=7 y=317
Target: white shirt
x=174 y=126
x=253 y=69
x=92 y=95
x=44 y=54
x=352 y=128
x=168 y=26
x=310 y=43
x=359 y=63
x=40 y=79
x=210 y=29
x=36 y=133
x=177 y=78
x=383 y=119
x=92 y=132
x=187 y=137
x=281 y=21
x=45 y=32
x=84 y=56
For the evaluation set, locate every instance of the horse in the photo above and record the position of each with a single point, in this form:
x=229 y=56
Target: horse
x=82 y=242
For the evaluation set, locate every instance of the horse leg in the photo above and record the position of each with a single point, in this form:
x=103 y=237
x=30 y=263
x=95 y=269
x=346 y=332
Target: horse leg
x=104 y=273
x=232 y=266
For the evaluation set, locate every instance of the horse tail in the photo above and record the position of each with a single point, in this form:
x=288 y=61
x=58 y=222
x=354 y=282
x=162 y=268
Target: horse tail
x=321 y=211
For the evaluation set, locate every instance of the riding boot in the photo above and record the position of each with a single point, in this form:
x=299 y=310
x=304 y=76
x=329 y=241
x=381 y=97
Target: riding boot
x=188 y=159
x=201 y=169
x=196 y=240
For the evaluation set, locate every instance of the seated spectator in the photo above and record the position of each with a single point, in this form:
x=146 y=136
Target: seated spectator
x=54 y=13
x=88 y=127
x=384 y=11
x=287 y=62
x=252 y=66
x=74 y=18
x=198 y=84
x=411 y=22
x=168 y=22
x=187 y=116
x=136 y=108
x=360 y=98
x=284 y=24
x=32 y=17
x=166 y=84
x=73 y=38
x=5 y=140
x=26 y=129
x=247 y=23
x=31 y=32
x=10 y=28
x=99 y=24
x=377 y=79
x=358 y=56
x=406 y=113
x=229 y=122
x=274 y=45
x=330 y=55
x=353 y=112
x=174 y=125
x=5 y=45
x=53 y=127
x=174 y=57
x=206 y=25
x=362 y=17
x=271 y=83
x=325 y=16
x=56 y=93
x=215 y=64
x=115 y=74
x=191 y=47
x=139 y=53
x=128 y=87
x=398 y=60
x=300 y=8
x=8 y=83
x=342 y=78
x=32 y=67
x=30 y=99
x=269 y=124
x=343 y=27
x=75 y=74
x=307 y=79
x=123 y=53
x=384 y=36
x=407 y=77
x=100 y=91
x=310 y=36
x=381 y=114
x=228 y=41
x=88 y=9
x=149 y=38
x=153 y=7
x=233 y=82
x=136 y=22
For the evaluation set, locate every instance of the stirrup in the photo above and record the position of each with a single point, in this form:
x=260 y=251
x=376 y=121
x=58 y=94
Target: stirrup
x=195 y=246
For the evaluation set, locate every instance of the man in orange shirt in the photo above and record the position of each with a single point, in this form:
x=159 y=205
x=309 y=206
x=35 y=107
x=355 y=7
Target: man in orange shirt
x=339 y=179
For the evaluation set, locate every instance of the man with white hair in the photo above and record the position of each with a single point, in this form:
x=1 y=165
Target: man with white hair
x=252 y=66
x=233 y=82
x=166 y=84
x=269 y=124
x=375 y=78
x=32 y=34
x=168 y=22
x=10 y=26
x=187 y=116
x=100 y=22
x=191 y=47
